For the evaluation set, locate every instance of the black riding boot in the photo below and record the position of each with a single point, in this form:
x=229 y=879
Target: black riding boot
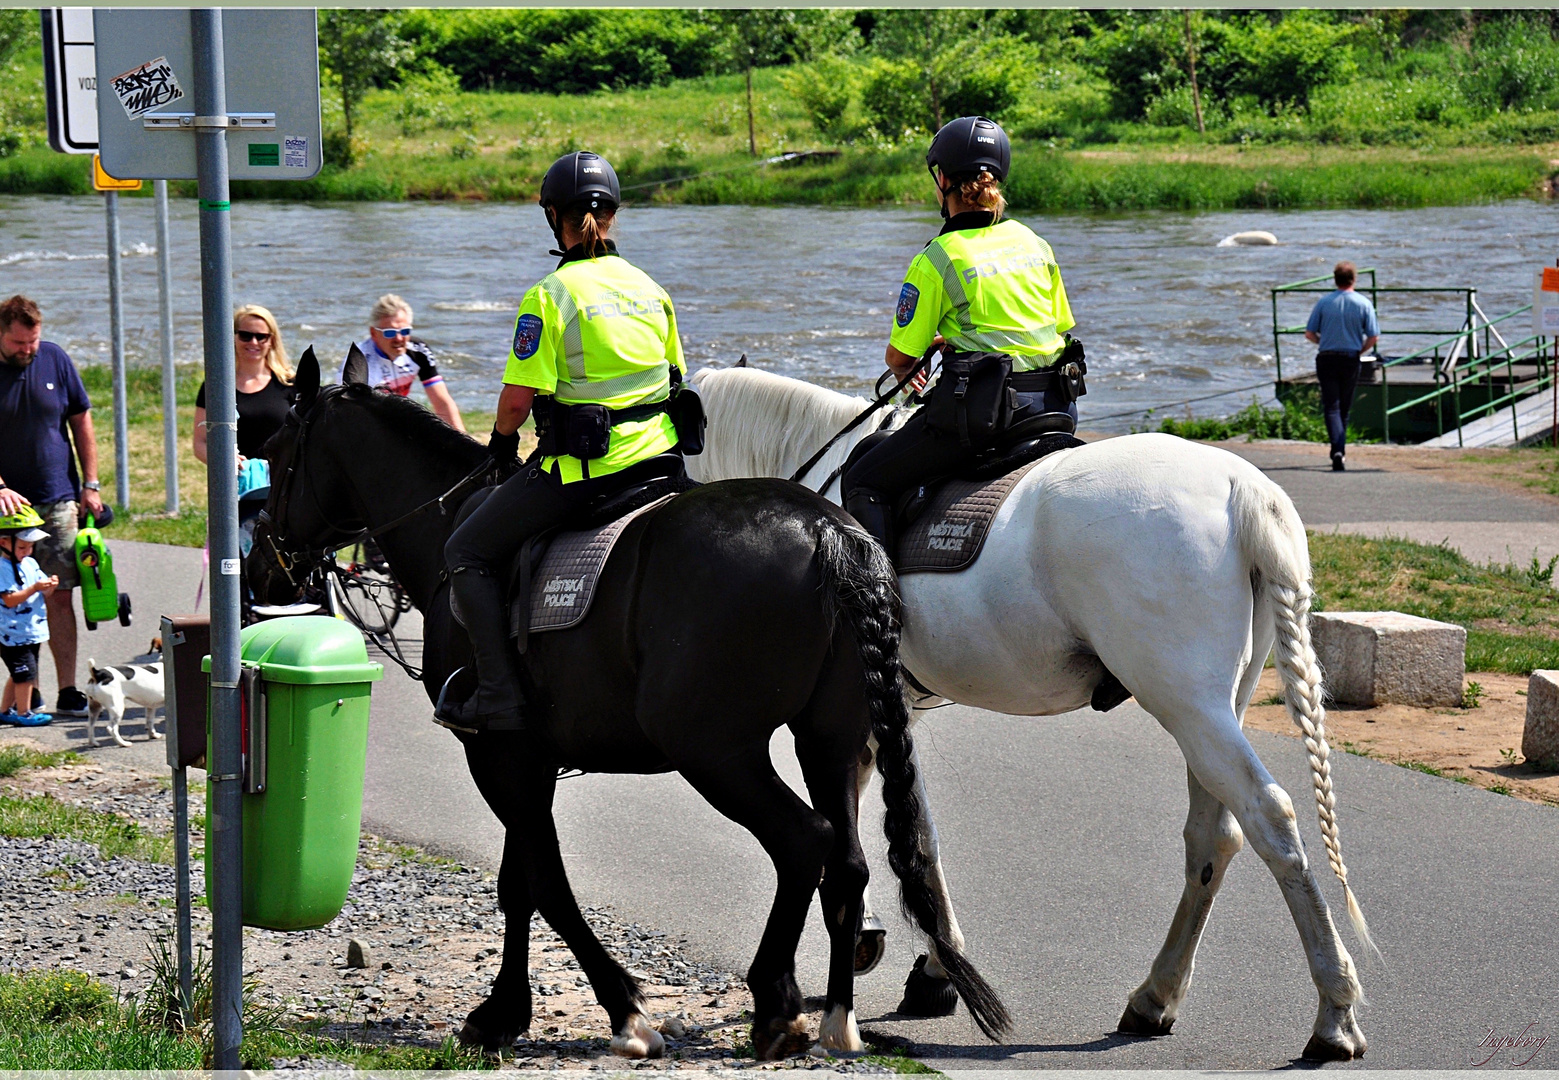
x=497 y=704
x=874 y=511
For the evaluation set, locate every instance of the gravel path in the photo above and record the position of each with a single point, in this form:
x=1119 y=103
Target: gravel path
x=430 y=928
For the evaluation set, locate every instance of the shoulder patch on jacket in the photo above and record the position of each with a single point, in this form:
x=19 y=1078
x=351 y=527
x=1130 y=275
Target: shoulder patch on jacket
x=527 y=336
x=909 y=297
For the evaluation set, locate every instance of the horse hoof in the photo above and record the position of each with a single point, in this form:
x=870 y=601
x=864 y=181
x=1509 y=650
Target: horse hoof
x=927 y=995
x=839 y=1031
x=1135 y=1023
x=474 y=1036
x=638 y=1040
x=870 y=947
x=1318 y=1049
x=780 y=1039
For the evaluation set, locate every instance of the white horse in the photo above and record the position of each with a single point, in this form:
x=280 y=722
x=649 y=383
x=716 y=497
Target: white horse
x=1174 y=566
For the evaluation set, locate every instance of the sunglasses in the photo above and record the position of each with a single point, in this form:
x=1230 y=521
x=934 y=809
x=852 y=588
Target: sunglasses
x=404 y=332
x=252 y=335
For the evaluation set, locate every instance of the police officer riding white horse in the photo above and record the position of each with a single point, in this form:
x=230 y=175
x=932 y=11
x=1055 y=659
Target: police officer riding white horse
x=989 y=293
x=1143 y=566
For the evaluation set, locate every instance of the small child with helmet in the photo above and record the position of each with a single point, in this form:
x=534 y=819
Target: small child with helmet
x=24 y=623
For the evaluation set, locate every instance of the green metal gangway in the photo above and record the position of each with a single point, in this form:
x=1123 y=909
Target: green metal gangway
x=1467 y=373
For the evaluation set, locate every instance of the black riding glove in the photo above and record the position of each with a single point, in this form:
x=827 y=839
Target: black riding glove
x=505 y=449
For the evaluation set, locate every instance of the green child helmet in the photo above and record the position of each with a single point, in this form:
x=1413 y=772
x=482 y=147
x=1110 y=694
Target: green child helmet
x=23 y=523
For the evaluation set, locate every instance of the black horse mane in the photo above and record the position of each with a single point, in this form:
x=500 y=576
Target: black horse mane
x=422 y=425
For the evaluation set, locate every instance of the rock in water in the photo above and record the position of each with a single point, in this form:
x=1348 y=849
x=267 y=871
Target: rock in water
x=357 y=954
x=1253 y=238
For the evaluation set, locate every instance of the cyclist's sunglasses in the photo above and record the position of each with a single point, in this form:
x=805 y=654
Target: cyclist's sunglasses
x=253 y=335
x=404 y=332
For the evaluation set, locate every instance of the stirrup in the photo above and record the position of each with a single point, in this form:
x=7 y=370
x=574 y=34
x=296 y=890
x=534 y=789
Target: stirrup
x=463 y=715
x=444 y=712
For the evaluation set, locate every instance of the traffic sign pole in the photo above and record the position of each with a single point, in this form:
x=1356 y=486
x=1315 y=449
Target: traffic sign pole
x=117 y=330
x=170 y=409
x=224 y=782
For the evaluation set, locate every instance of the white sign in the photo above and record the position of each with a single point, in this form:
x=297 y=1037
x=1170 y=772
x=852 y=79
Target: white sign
x=146 y=63
x=70 y=79
x=1545 y=302
x=149 y=86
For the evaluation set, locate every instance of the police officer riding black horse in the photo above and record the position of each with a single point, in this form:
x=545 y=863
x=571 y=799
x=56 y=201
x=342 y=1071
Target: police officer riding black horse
x=989 y=293
x=596 y=358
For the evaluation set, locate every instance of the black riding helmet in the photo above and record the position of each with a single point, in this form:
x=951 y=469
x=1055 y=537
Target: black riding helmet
x=968 y=146
x=578 y=180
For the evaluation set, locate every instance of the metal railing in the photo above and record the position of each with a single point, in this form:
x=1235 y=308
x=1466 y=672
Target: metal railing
x=1451 y=378
x=1374 y=290
x=1469 y=355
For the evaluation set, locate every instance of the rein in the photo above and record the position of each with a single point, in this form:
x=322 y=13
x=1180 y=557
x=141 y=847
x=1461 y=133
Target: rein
x=859 y=419
x=287 y=561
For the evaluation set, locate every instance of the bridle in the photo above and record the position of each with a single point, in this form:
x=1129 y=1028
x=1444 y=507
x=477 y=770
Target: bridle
x=291 y=560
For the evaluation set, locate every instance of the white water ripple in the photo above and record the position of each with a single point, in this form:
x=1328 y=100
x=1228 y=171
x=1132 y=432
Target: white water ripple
x=139 y=248
x=473 y=305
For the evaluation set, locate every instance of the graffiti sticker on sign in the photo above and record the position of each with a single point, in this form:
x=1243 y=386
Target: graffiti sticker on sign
x=148 y=87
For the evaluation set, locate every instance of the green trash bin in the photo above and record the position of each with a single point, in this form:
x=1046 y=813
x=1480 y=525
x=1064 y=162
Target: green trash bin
x=307 y=679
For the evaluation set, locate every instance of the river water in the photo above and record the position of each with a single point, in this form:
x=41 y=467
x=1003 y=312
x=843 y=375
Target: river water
x=1165 y=313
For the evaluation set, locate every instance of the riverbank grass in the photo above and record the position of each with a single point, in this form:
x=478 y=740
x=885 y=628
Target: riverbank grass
x=1511 y=612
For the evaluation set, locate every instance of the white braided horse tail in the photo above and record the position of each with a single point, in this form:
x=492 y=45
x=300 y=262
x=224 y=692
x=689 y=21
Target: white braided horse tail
x=1273 y=539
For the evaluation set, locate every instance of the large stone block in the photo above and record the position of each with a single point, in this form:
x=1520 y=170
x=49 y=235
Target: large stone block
x=1386 y=657
x=1540 y=739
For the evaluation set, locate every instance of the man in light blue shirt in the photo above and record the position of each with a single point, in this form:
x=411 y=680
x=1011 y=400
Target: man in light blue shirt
x=1343 y=324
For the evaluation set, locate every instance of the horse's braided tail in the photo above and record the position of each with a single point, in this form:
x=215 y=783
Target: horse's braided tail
x=1275 y=541
x=859 y=589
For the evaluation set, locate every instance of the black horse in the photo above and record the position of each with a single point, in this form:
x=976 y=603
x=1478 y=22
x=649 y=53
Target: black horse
x=729 y=611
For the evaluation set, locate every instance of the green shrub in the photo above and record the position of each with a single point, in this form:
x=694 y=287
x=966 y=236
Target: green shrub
x=1515 y=65
x=565 y=50
x=824 y=90
x=1256 y=420
x=430 y=99
x=894 y=98
x=52 y=997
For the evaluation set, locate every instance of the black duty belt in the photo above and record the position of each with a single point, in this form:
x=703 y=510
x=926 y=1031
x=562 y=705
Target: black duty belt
x=617 y=416
x=1032 y=382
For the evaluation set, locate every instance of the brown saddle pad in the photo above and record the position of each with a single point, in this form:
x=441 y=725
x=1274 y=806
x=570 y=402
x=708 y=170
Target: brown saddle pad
x=564 y=583
x=949 y=533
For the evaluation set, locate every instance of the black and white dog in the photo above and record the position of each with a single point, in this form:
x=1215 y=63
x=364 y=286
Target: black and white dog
x=140 y=683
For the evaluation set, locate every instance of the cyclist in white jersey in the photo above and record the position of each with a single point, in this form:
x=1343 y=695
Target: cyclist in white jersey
x=396 y=359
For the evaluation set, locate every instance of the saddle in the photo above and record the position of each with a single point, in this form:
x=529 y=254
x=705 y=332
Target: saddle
x=553 y=577
x=942 y=523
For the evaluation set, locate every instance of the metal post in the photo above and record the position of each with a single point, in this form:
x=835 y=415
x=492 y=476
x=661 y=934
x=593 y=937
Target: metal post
x=170 y=409
x=224 y=783
x=181 y=904
x=117 y=331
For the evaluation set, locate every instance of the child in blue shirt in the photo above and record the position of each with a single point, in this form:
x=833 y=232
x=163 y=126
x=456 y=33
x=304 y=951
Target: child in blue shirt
x=24 y=623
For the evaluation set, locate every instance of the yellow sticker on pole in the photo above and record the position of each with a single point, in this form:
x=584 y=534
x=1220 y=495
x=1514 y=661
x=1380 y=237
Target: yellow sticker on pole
x=101 y=181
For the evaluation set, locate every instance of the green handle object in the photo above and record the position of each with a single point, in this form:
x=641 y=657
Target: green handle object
x=99 y=585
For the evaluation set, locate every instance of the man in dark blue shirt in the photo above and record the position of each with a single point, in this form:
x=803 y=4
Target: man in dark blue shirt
x=1343 y=324
x=43 y=410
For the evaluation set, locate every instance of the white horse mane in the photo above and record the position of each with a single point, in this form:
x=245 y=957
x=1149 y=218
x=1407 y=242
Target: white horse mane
x=784 y=422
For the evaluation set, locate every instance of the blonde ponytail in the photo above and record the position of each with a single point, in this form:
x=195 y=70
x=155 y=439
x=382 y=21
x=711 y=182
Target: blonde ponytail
x=984 y=191
x=593 y=227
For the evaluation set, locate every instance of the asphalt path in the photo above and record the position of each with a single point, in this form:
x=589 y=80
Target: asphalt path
x=1062 y=842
